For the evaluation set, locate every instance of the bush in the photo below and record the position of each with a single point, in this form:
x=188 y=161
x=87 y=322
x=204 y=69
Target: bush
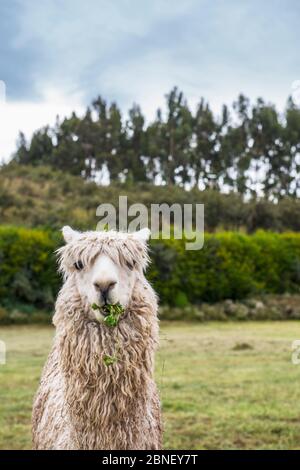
x=28 y=272
x=181 y=300
x=231 y=265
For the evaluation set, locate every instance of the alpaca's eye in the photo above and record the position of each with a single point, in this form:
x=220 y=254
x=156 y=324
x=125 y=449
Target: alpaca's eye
x=131 y=265
x=78 y=265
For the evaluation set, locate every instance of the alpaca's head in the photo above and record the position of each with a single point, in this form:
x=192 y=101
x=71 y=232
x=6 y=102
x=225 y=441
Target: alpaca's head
x=104 y=265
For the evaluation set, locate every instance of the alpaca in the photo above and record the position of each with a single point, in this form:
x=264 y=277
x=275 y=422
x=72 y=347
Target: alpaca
x=82 y=402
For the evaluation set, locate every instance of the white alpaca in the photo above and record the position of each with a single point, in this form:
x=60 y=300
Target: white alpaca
x=83 y=403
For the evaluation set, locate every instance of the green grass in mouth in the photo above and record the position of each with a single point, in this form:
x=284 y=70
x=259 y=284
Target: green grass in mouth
x=112 y=313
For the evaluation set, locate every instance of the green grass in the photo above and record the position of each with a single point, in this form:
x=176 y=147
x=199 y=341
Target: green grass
x=223 y=385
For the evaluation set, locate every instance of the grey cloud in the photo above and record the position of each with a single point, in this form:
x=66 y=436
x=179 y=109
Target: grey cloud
x=125 y=48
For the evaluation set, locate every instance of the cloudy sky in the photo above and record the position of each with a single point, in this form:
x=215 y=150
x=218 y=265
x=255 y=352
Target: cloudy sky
x=57 y=55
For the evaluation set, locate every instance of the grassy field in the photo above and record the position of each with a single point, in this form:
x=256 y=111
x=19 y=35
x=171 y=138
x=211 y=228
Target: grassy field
x=223 y=385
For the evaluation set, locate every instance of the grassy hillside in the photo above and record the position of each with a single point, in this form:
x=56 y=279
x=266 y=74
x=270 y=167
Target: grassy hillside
x=40 y=196
x=223 y=385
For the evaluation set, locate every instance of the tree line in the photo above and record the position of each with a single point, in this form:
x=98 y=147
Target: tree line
x=249 y=148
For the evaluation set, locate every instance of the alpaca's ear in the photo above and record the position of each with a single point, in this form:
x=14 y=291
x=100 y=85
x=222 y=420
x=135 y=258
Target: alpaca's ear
x=69 y=234
x=142 y=235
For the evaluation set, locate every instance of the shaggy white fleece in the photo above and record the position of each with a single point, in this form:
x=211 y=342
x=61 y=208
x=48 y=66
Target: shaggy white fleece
x=81 y=402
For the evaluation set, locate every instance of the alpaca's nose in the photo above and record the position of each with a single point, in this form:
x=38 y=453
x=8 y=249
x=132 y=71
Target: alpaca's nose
x=104 y=288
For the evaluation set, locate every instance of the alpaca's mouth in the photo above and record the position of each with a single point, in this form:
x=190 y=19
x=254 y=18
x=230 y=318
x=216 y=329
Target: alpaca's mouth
x=109 y=314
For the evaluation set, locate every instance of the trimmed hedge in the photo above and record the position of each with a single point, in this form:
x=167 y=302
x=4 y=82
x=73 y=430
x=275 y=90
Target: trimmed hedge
x=27 y=267
x=231 y=265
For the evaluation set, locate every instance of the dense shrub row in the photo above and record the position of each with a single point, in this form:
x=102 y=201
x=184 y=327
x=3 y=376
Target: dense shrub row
x=230 y=266
x=27 y=267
